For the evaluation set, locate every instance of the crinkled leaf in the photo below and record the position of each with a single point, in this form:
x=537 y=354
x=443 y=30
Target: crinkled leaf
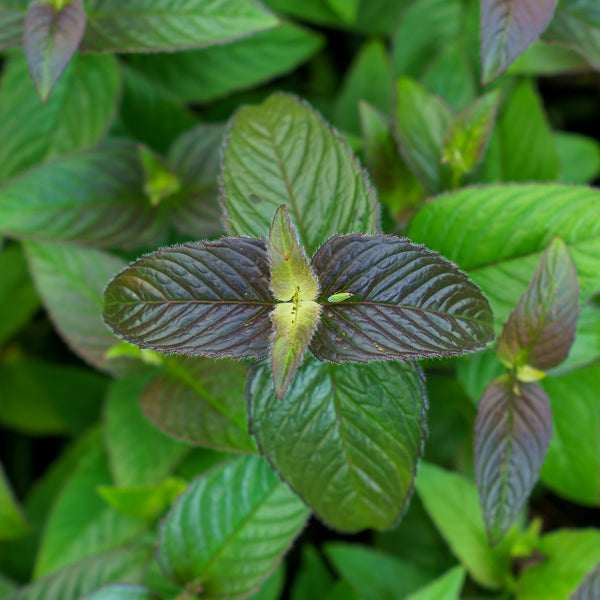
x=508 y=27
x=93 y=197
x=122 y=592
x=247 y=517
x=75 y=117
x=408 y=302
x=512 y=433
x=330 y=438
x=579 y=157
x=590 y=588
x=12 y=22
x=422 y=123
x=446 y=587
x=200 y=401
x=282 y=152
x=541 y=329
x=52 y=35
x=209 y=298
x=13 y=523
x=159 y=25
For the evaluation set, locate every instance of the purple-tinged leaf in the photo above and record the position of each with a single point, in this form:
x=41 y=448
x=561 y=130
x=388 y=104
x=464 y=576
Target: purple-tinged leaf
x=204 y=298
x=590 y=588
x=508 y=27
x=541 y=329
x=201 y=401
x=408 y=302
x=52 y=35
x=512 y=433
x=12 y=21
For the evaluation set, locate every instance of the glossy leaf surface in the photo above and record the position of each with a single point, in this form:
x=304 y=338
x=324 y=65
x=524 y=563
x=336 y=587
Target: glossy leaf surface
x=407 y=302
x=209 y=298
x=52 y=35
x=508 y=27
x=248 y=519
x=289 y=155
x=346 y=462
x=541 y=329
x=512 y=433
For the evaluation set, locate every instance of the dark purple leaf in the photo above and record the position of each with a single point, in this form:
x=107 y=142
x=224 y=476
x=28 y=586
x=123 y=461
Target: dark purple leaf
x=512 y=433
x=590 y=588
x=407 y=302
x=204 y=298
x=52 y=35
x=508 y=27
x=541 y=329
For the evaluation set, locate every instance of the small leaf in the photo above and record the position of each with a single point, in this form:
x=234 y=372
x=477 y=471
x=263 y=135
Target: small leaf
x=541 y=329
x=122 y=592
x=13 y=524
x=53 y=32
x=294 y=324
x=291 y=273
x=240 y=519
x=512 y=433
x=446 y=587
x=160 y=182
x=419 y=305
x=209 y=298
x=590 y=588
x=508 y=27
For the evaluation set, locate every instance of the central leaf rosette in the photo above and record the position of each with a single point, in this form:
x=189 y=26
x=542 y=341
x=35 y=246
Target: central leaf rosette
x=360 y=298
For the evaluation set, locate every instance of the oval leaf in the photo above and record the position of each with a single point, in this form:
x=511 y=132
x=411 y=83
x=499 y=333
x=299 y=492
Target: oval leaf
x=408 y=302
x=541 y=330
x=331 y=440
x=512 y=433
x=238 y=521
x=283 y=152
x=508 y=27
x=209 y=298
x=52 y=35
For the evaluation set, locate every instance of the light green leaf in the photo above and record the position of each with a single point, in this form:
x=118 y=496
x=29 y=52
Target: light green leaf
x=282 y=152
x=542 y=58
x=346 y=9
x=579 y=157
x=446 y=587
x=586 y=348
x=248 y=519
x=13 y=523
x=272 y=588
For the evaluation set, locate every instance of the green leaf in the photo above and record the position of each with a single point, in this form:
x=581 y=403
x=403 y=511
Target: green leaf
x=123 y=565
x=313 y=578
x=475 y=371
x=95 y=196
x=586 y=348
x=160 y=181
x=369 y=78
x=159 y=25
x=590 y=588
x=422 y=123
x=541 y=329
x=248 y=519
x=52 y=34
x=7 y=587
x=419 y=305
x=138 y=453
x=346 y=462
x=346 y=9
x=512 y=433
x=70 y=280
x=446 y=587
x=576 y=23
x=200 y=401
x=501 y=254
x=211 y=73
x=12 y=20
x=18 y=298
x=76 y=116
x=342 y=590
x=13 y=524
x=569 y=556
x=268 y=163
x=508 y=27
x=375 y=575
x=272 y=588
x=122 y=592
x=209 y=298
x=572 y=466
x=451 y=501
x=579 y=157
x=542 y=58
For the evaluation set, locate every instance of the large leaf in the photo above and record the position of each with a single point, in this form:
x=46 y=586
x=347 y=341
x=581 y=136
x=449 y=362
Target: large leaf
x=75 y=117
x=418 y=304
x=508 y=27
x=200 y=401
x=572 y=466
x=13 y=523
x=447 y=587
x=209 y=298
x=159 y=25
x=512 y=433
x=501 y=254
x=12 y=22
x=330 y=438
x=590 y=588
x=93 y=197
x=541 y=329
x=282 y=152
x=239 y=520
x=52 y=35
